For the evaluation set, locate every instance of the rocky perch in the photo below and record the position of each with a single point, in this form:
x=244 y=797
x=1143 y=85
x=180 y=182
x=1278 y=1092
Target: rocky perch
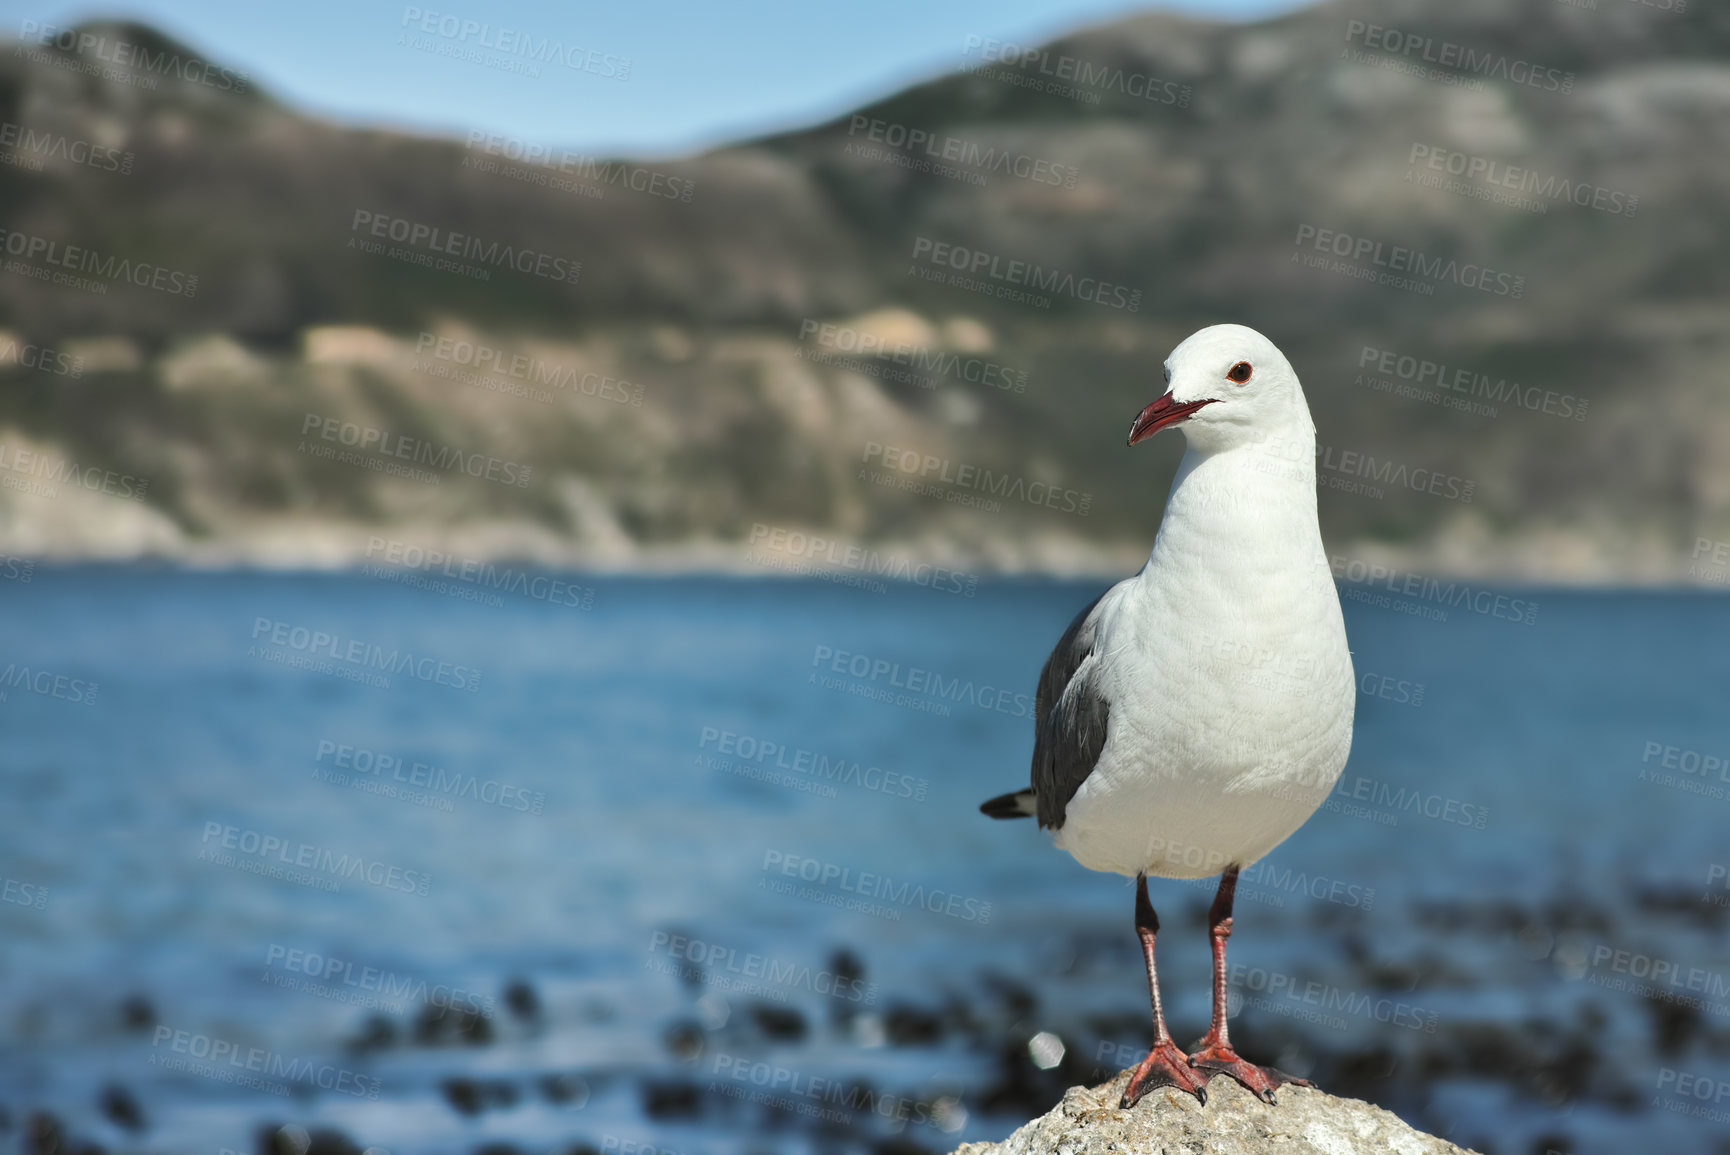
x=1234 y=1122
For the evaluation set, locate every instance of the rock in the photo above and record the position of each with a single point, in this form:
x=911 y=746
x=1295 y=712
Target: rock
x=1234 y=1122
x=522 y=1000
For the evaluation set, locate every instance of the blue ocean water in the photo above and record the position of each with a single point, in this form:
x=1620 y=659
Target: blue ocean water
x=702 y=856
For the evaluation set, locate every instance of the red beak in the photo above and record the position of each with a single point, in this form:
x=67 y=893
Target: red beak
x=1162 y=413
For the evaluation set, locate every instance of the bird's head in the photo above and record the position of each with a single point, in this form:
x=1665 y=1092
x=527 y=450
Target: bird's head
x=1227 y=385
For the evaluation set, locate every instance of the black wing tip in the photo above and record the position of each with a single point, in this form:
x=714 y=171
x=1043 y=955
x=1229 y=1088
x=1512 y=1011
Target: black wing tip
x=1015 y=804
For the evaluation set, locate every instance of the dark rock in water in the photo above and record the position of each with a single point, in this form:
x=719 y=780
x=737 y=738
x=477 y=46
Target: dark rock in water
x=293 y=1139
x=1680 y=901
x=464 y=1095
x=329 y=1141
x=1571 y=1070
x=1360 y=1072
x=44 y=1134
x=1017 y=998
x=498 y=1149
x=850 y=988
x=469 y=1096
x=846 y=966
x=121 y=1108
x=684 y=1039
x=437 y=1026
x=1675 y=1025
x=900 y=1145
x=377 y=1033
x=1456 y=916
x=580 y=1147
x=565 y=1089
x=1017 y=1086
x=672 y=1099
x=137 y=1013
x=909 y=1026
x=1553 y=1145
x=783 y=1024
x=522 y=1001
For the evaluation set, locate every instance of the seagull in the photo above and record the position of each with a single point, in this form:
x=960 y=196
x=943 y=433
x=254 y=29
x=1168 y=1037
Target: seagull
x=1195 y=715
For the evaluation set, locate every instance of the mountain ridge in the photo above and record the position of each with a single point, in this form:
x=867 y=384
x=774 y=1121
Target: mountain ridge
x=1202 y=171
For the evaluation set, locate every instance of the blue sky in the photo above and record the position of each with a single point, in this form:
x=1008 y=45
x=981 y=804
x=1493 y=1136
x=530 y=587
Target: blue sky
x=699 y=73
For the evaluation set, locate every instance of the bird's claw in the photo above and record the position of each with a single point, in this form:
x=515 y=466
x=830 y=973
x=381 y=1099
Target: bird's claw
x=1165 y=1066
x=1218 y=1059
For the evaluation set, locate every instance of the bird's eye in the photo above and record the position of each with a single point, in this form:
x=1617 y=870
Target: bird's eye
x=1240 y=372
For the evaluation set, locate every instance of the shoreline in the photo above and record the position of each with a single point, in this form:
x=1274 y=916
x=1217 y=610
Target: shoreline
x=681 y=563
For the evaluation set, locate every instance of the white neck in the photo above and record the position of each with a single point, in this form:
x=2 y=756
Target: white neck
x=1245 y=511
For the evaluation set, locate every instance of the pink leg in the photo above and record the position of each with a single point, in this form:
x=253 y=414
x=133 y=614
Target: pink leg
x=1165 y=1065
x=1216 y=1056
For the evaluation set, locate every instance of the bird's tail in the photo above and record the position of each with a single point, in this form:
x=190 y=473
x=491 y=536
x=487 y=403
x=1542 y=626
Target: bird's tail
x=1016 y=804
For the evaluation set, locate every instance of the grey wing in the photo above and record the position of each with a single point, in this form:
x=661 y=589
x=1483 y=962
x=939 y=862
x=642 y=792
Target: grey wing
x=1070 y=717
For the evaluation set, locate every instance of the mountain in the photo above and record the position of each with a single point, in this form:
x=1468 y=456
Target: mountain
x=1488 y=235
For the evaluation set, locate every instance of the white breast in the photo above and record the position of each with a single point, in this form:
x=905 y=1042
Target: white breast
x=1230 y=682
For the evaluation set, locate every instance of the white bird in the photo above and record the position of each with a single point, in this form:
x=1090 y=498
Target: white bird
x=1196 y=714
